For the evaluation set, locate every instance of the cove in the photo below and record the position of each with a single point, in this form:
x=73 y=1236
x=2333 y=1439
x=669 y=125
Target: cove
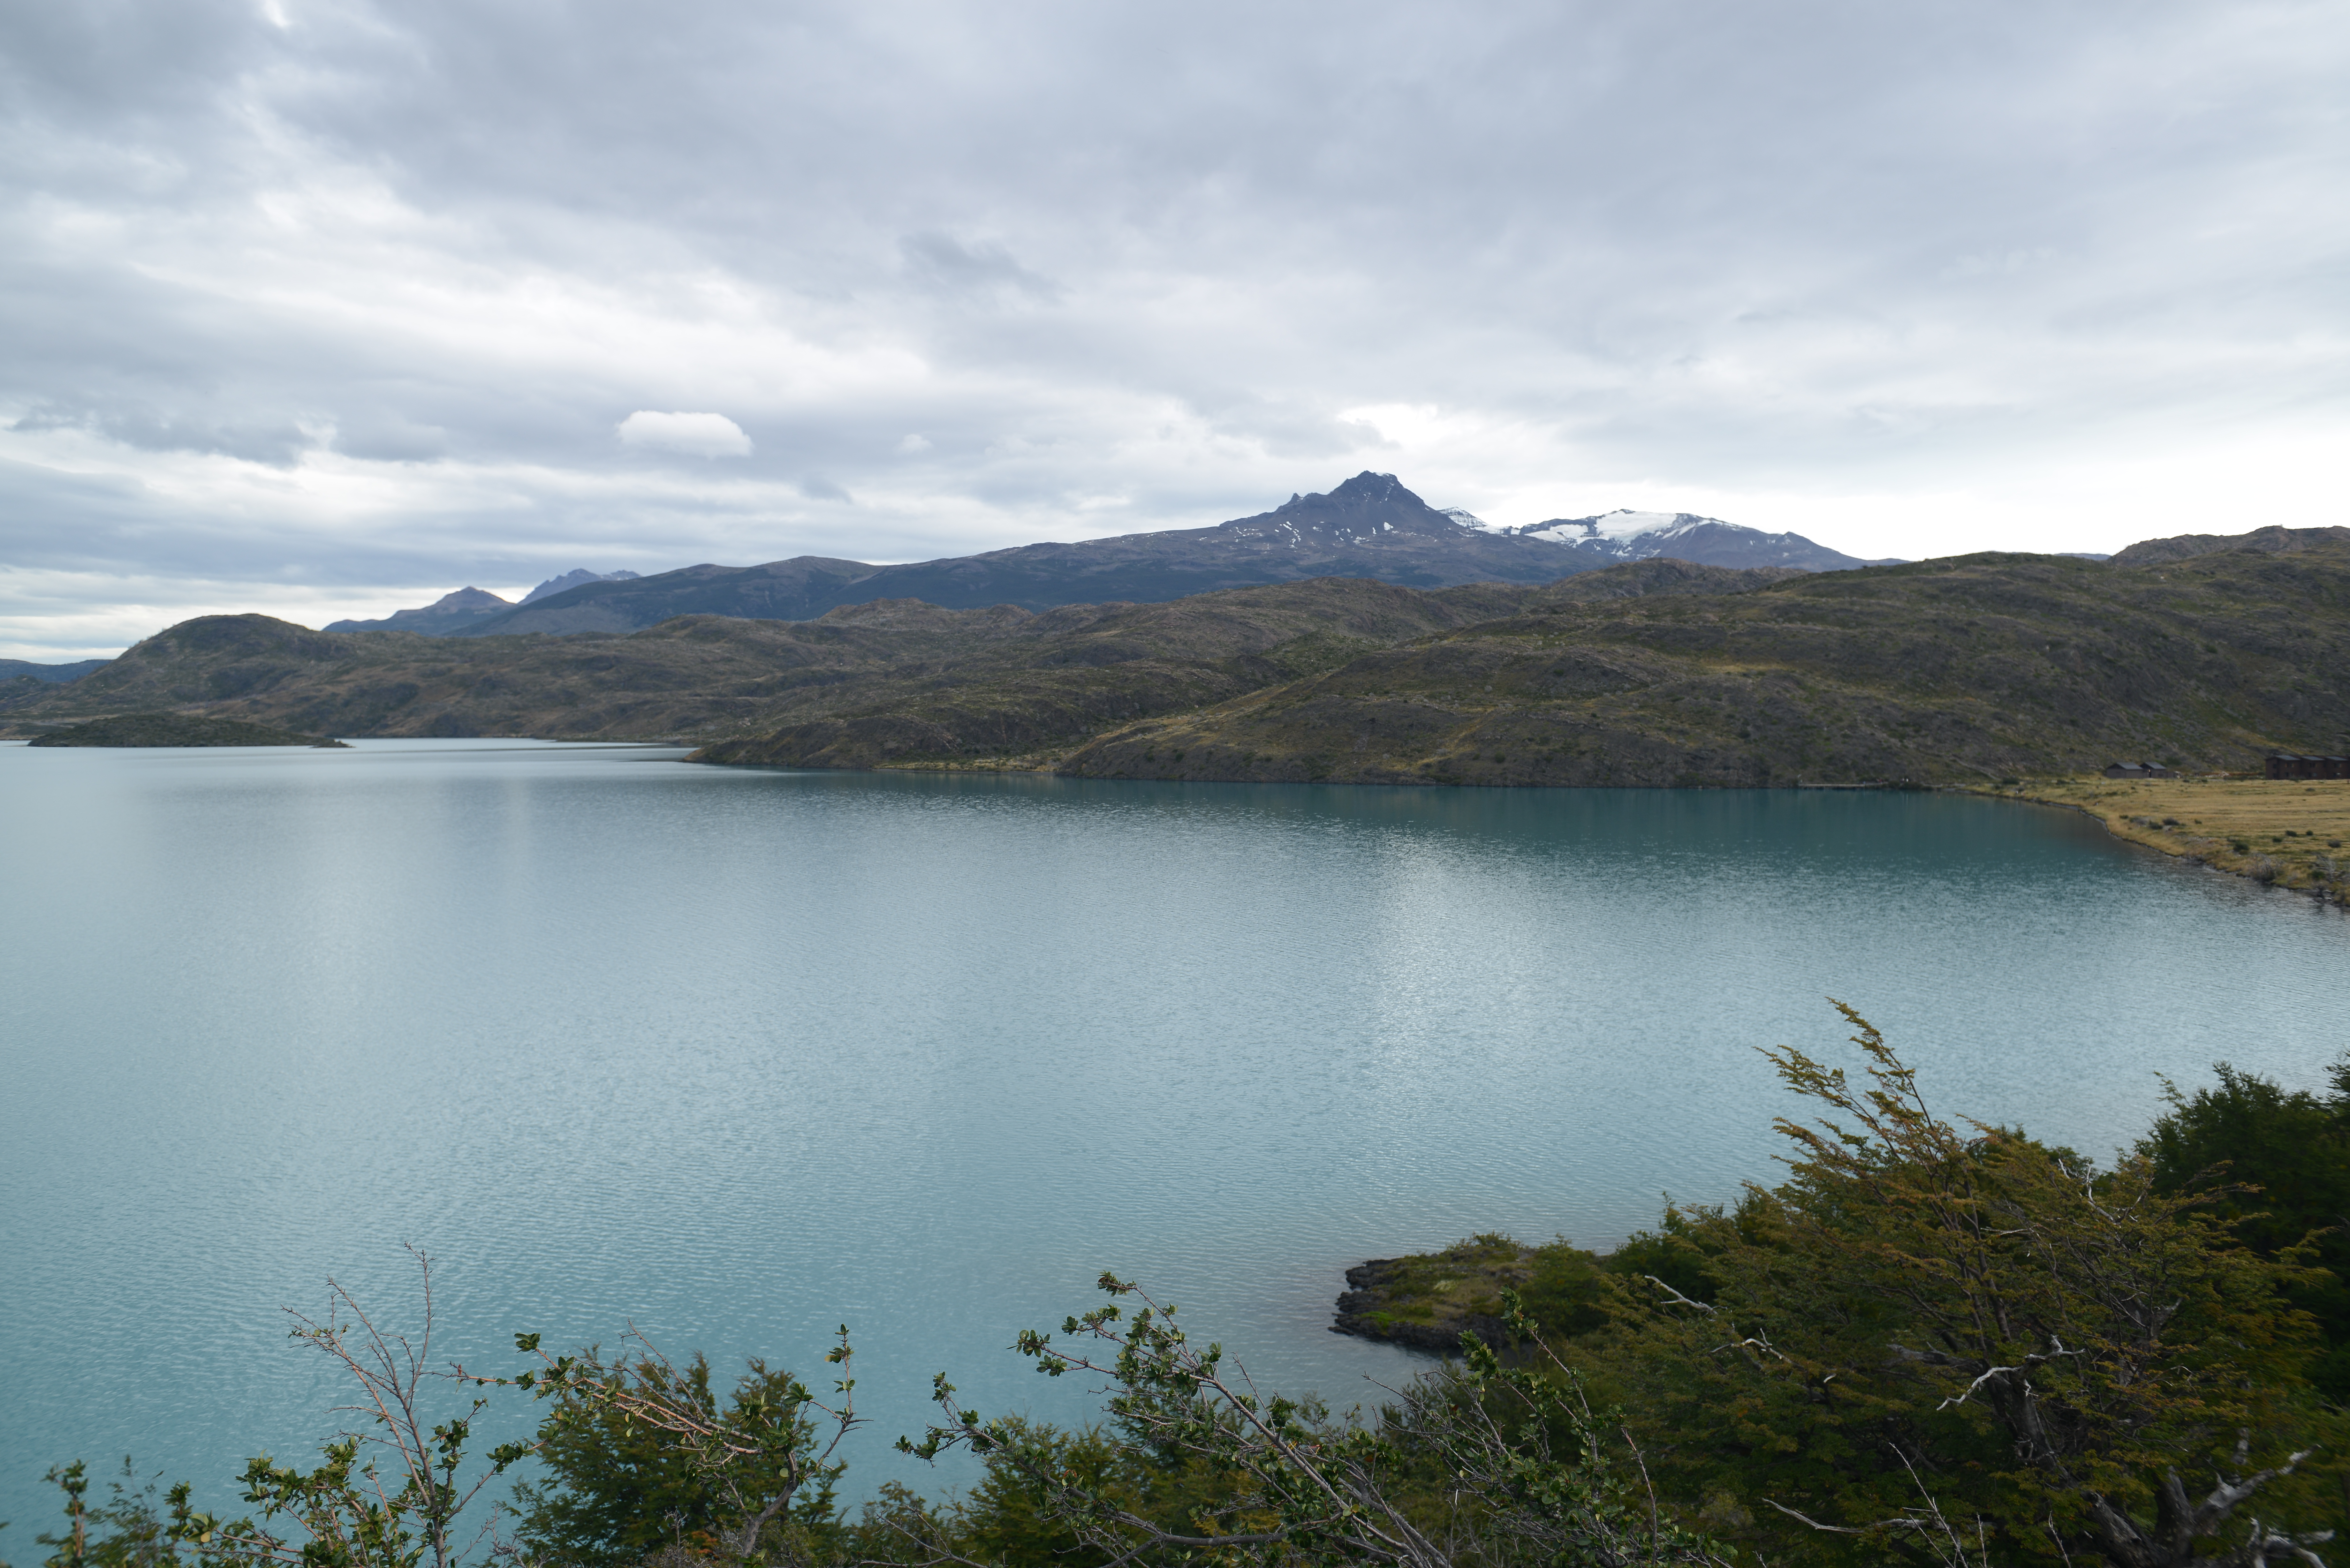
x=742 y=1054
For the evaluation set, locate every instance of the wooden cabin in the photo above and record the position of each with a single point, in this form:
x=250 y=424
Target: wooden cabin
x=2287 y=765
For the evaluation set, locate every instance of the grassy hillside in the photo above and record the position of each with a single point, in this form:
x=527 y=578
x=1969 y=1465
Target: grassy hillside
x=1033 y=696
x=865 y=684
x=1658 y=673
x=698 y=676
x=1966 y=670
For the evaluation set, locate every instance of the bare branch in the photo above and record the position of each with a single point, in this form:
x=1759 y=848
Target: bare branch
x=1679 y=1299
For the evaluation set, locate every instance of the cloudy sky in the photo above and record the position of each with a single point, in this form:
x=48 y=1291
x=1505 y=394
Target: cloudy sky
x=321 y=307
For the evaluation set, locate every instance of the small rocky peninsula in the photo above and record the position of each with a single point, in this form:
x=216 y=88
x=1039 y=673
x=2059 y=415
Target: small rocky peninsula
x=177 y=729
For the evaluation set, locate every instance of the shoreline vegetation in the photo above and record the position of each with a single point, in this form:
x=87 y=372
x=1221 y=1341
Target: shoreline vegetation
x=1935 y=1341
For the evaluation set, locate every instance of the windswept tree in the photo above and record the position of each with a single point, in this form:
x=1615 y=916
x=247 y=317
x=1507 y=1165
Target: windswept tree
x=2273 y=1164
x=641 y=1459
x=1925 y=1324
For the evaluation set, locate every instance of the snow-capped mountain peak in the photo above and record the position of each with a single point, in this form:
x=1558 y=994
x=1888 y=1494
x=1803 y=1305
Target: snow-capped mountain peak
x=1468 y=519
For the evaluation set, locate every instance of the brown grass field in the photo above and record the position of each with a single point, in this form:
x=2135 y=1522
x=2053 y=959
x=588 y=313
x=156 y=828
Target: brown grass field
x=2286 y=832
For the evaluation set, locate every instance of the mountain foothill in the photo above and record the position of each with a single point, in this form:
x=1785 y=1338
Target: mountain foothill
x=1359 y=636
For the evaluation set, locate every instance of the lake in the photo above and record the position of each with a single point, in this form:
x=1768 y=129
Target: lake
x=741 y=1055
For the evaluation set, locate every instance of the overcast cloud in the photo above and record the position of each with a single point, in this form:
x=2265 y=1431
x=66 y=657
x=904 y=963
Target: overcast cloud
x=327 y=308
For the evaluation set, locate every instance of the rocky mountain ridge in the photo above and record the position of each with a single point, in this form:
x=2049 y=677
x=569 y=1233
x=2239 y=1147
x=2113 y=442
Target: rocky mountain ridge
x=442 y=617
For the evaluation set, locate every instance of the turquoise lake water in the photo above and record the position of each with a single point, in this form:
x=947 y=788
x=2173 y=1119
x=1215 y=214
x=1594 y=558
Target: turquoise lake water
x=741 y=1055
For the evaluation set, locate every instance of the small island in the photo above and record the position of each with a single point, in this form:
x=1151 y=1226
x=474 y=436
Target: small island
x=177 y=729
x=1428 y=1300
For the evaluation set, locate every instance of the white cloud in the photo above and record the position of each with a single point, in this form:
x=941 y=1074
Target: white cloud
x=336 y=309
x=698 y=435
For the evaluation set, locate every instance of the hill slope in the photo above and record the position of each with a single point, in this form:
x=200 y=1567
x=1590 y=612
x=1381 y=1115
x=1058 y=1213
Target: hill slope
x=877 y=679
x=1133 y=661
x=699 y=675
x=2273 y=540
x=1950 y=670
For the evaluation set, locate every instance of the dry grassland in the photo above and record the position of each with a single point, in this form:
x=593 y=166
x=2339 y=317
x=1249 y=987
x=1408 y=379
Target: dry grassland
x=2287 y=832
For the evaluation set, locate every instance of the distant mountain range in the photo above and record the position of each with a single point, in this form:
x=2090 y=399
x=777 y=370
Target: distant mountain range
x=1370 y=527
x=49 y=674
x=452 y=613
x=573 y=580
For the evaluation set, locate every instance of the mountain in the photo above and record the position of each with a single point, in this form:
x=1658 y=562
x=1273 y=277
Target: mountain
x=442 y=617
x=454 y=613
x=801 y=588
x=1370 y=527
x=2273 y=540
x=1628 y=536
x=573 y=580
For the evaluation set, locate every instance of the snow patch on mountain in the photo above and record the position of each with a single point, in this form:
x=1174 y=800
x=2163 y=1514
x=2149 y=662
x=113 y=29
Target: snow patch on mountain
x=1623 y=523
x=1626 y=535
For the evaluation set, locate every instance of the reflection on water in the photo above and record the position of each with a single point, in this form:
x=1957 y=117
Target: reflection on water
x=743 y=1054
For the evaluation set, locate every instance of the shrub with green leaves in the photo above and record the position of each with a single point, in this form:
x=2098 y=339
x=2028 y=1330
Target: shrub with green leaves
x=2273 y=1165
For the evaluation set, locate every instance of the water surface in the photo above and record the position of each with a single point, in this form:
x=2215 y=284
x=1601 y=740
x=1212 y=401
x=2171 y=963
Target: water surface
x=742 y=1055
